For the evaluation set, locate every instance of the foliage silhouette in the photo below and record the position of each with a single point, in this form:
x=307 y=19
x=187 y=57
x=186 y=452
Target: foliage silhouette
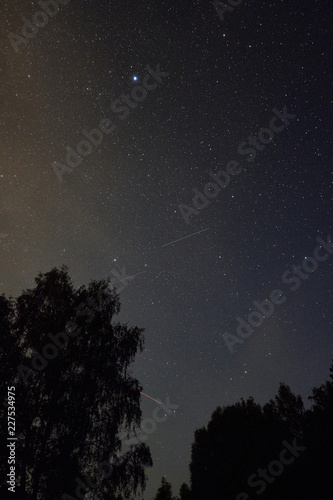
x=185 y=492
x=69 y=412
x=233 y=456
x=165 y=491
x=241 y=438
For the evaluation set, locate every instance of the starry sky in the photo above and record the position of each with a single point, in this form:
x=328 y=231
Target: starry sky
x=119 y=211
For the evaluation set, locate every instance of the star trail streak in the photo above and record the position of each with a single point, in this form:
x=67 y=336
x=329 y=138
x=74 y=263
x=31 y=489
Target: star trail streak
x=159 y=402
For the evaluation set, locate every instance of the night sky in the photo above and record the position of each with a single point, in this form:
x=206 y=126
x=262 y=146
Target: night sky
x=212 y=83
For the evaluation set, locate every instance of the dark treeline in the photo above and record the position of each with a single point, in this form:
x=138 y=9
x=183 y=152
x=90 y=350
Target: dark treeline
x=65 y=367
x=276 y=452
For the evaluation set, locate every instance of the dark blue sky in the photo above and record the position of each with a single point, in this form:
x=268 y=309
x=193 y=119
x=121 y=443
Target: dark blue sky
x=114 y=210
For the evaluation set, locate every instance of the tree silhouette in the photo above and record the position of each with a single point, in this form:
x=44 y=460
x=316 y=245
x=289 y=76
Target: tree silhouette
x=319 y=435
x=185 y=492
x=70 y=366
x=244 y=441
x=288 y=409
x=224 y=453
x=165 y=491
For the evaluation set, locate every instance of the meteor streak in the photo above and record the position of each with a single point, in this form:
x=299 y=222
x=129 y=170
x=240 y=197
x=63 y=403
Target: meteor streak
x=159 y=402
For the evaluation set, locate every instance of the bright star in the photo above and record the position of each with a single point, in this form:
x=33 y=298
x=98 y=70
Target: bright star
x=135 y=78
